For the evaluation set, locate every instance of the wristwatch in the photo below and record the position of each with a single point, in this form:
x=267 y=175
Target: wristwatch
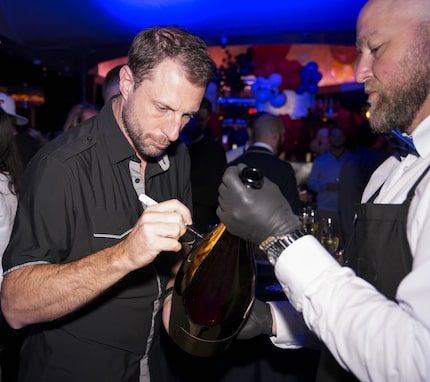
x=273 y=246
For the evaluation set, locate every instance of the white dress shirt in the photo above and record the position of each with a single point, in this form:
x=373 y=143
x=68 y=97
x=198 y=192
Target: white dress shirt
x=373 y=337
x=8 y=203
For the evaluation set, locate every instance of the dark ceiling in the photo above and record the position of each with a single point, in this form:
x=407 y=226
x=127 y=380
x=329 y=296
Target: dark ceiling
x=51 y=44
x=72 y=36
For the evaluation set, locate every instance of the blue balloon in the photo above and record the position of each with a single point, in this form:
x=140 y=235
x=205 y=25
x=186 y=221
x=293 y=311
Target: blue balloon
x=278 y=100
x=316 y=77
x=312 y=66
x=305 y=72
x=312 y=88
x=262 y=95
x=301 y=89
x=255 y=87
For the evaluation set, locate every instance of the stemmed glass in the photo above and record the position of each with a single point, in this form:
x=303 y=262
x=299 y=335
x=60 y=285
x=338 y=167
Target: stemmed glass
x=330 y=237
x=309 y=221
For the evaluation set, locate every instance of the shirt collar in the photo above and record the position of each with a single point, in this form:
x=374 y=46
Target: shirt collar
x=262 y=144
x=421 y=138
x=118 y=147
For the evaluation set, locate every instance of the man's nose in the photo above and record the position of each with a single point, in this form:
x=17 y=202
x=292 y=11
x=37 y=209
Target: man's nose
x=363 y=69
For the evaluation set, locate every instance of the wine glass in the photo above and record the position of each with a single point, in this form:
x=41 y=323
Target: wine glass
x=330 y=235
x=309 y=221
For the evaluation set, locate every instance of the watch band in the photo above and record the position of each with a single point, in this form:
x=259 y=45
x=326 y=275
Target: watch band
x=273 y=246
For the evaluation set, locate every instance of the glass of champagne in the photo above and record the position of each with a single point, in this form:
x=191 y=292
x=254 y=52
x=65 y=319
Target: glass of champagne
x=309 y=221
x=330 y=235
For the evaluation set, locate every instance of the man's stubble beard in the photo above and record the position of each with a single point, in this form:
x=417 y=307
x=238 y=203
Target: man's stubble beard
x=137 y=136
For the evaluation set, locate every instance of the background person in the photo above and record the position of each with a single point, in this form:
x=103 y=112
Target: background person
x=11 y=168
x=267 y=135
x=110 y=85
x=208 y=162
x=28 y=139
x=79 y=113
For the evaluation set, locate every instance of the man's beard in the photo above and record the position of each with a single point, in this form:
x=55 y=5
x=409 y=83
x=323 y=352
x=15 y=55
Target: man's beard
x=398 y=105
x=138 y=137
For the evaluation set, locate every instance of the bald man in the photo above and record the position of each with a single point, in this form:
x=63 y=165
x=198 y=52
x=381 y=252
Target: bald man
x=373 y=316
x=267 y=134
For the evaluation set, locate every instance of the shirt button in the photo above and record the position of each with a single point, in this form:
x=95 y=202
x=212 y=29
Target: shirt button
x=137 y=180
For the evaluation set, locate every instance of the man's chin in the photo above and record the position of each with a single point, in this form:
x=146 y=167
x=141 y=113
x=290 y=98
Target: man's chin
x=380 y=129
x=153 y=152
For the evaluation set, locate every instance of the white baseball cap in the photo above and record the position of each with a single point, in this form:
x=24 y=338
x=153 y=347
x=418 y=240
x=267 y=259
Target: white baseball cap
x=7 y=103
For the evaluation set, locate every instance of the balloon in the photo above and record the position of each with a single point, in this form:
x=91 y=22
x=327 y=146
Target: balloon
x=262 y=95
x=278 y=100
x=312 y=66
x=312 y=88
x=291 y=81
x=255 y=87
x=316 y=77
x=290 y=66
x=262 y=89
x=310 y=78
x=269 y=52
x=275 y=79
x=290 y=71
x=301 y=89
x=305 y=73
x=265 y=69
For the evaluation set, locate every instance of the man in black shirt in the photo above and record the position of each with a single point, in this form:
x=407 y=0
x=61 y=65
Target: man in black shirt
x=86 y=266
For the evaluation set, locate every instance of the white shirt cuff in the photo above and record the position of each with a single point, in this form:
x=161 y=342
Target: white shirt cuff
x=299 y=265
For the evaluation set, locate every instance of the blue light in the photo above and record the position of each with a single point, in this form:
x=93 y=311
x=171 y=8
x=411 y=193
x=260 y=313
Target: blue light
x=264 y=20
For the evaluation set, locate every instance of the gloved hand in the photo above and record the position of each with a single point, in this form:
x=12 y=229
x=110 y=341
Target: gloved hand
x=259 y=321
x=254 y=214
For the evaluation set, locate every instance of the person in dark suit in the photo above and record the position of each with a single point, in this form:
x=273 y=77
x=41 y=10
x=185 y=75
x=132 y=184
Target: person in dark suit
x=267 y=135
x=208 y=162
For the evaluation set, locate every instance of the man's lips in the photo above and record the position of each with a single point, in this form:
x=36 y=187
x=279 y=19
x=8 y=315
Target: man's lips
x=161 y=145
x=371 y=94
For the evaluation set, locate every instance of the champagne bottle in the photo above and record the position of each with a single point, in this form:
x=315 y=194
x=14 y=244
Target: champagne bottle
x=214 y=289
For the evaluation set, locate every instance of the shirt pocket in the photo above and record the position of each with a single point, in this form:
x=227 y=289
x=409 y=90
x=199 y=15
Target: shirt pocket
x=110 y=227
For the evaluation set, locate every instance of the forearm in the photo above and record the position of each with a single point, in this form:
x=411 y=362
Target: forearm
x=45 y=292
x=350 y=316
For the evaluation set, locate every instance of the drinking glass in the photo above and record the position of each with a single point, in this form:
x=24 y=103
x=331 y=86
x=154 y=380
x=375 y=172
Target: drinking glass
x=330 y=235
x=309 y=221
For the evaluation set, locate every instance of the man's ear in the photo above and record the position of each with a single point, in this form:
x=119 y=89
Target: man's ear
x=250 y=133
x=126 y=81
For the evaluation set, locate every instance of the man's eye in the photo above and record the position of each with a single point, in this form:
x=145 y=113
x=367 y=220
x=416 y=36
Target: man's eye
x=374 y=50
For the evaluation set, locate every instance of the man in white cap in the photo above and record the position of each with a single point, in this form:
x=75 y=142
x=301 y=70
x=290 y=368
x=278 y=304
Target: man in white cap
x=28 y=139
x=8 y=105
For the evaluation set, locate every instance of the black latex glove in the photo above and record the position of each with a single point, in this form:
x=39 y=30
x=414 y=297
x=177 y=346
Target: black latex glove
x=259 y=321
x=254 y=214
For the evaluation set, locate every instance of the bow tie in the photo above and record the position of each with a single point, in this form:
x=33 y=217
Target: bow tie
x=403 y=144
